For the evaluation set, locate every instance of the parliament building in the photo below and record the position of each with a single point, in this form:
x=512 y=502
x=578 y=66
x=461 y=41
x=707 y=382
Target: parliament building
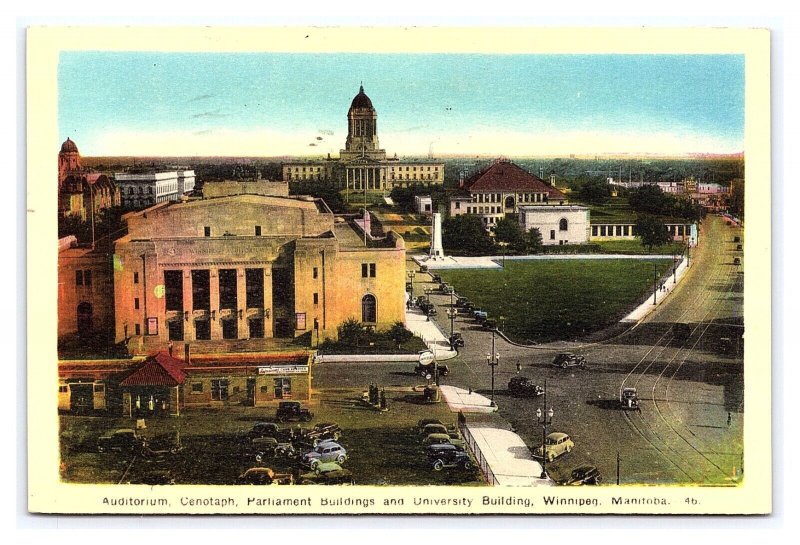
x=362 y=164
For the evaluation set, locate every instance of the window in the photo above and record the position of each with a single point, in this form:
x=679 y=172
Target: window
x=219 y=390
x=315 y=272
x=369 y=309
x=316 y=298
x=562 y=225
x=197 y=387
x=552 y=234
x=135 y=278
x=594 y=230
x=79 y=278
x=87 y=278
x=137 y=329
x=283 y=388
x=371 y=270
x=62 y=389
x=207 y=231
x=458 y=205
x=136 y=303
x=258 y=230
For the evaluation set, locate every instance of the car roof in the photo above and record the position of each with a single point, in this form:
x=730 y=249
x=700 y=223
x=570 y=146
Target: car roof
x=557 y=435
x=124 y=430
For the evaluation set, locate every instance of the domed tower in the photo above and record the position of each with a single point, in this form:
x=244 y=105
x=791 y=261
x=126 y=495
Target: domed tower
x=362 y=129
x=69 y=159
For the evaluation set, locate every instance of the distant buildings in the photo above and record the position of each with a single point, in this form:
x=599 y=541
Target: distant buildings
x=501 y=189
x=362 y=164
x=423 y=205
x=143 y=189
x=82 y=190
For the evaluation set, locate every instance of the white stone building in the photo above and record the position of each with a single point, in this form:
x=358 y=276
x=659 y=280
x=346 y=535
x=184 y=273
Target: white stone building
x=559 y=224
x=143 y=189
x=423 y=204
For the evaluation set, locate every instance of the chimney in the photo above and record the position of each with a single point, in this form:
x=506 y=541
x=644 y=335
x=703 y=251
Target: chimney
x=186 y=353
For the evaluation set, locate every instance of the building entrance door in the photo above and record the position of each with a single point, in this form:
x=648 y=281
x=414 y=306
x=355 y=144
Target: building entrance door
x=251 y=392
x=256 y=328
x=202 y=330
x=229 y=329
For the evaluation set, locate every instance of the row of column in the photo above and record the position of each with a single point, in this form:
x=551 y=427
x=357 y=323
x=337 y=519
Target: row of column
x=373 y=178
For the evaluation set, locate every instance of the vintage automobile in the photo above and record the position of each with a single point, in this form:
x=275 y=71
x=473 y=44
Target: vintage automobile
x=456 y=340
x=461 y=301
x=523 y=386
x=489 y=324
x=436 y=427
x=555 y=445
x=437 y=438
x=327 y=473
x=737 y=261
x=436 y=278
x=428 y=370
x=425 y=421
x=292 y=410
x=121 y=440
x=480 y=315
x=270 y=447
x=432 y=451
x=585 y=474
x=568 y=359
x=263 y=429
x=450 y=458
x=432 y=394
x=324 y=430
x=264 y=476
x=327 y=451
x=469 y=307
x=628 y=399
x=162 y=445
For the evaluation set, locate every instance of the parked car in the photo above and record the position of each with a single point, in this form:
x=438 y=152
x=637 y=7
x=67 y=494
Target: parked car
x=437 y=438
x=628 y=398
x=461 y=301
x=436 y=428
x=568 y=359
x=325 y=430
x=523 y=386
x=162 y=445
x=270 y=447
x=449 y=459
x=425 y=370
x=327 y=473
x=456 y=340
x=263 y=429
x=292 y=410
x=430 y=309
x=469 y=307
x=435 y=277
x=555 y=444
x=324 y=452
x=425 y=421
x=121 y=440
x=264 y=476
x=586 y=474
x=737 y=261
x=432 y=394
x=489 y=324
x=432 y=451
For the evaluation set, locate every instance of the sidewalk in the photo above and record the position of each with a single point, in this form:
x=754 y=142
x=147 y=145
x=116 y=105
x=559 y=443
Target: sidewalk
x=460 y=400
x=647 y=307
x=431 y=335
x=496 y=261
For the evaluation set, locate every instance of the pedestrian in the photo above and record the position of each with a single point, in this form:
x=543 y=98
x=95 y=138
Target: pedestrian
x=729 y=419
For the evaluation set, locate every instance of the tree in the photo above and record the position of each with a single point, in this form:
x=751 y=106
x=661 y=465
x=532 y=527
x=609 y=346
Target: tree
x=736 y=206
x=595 y=191
x=350 y=332
x=534 y=240
x=652 y=231
x=649 y=199
x=509 y=231
x=466 y=234
x=399 y=334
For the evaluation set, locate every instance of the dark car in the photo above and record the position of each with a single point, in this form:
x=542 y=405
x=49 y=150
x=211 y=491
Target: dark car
x=292 y=410
x=425 y=421
x=263 y=429
x=433 y=451
x=523 y=386
x=737 y=261
x=328 y=473
x=428 y=370
x=450 y=458
x=456 y=340
x=586 y=474
x=264 y=476
x=436 y=277
x=568 y=359
x=468 y=307
x=461 y=301
x=489 y=324
x=122 y=440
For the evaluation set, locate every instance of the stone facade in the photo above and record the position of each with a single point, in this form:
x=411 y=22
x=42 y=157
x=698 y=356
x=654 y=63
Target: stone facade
x=142 y=189
x=627 y=231
x=362 y=164
x=557 y=224
x=248 y=266
x=82 y=191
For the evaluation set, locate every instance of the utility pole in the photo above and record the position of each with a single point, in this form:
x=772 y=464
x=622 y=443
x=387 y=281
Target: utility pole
x=655 y=282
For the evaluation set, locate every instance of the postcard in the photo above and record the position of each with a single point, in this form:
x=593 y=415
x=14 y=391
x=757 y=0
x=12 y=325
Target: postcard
x=398 y=271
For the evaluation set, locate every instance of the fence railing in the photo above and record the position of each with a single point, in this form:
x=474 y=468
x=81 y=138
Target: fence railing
x=476 y=450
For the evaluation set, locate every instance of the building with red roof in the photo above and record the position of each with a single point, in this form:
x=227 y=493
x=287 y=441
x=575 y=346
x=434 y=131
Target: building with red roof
x=500 y=189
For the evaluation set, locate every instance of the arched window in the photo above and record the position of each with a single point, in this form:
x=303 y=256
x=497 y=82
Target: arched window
x=130 y=191
x=369 y=309
x=509 y=202
x=562 y=225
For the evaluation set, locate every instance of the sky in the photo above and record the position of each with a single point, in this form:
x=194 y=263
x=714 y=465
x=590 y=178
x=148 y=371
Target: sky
x=275 y=104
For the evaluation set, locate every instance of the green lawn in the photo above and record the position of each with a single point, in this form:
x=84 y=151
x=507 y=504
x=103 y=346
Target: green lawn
x=557 y=299
x=636 y=247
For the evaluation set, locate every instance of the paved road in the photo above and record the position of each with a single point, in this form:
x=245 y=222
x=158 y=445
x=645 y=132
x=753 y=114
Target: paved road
x=688 y=386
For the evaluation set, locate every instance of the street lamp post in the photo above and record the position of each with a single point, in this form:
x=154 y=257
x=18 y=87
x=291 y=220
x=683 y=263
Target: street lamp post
x=545 y=418
x=411 y=275
x=451 y=313
x=655 y=282
x=493 y=360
